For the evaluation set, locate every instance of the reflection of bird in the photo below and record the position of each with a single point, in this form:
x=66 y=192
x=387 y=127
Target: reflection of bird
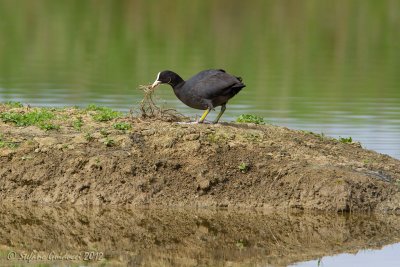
x=206 y=90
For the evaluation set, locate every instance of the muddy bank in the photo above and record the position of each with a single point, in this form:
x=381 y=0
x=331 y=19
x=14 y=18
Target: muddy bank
x=81 y=156
x=181 y=237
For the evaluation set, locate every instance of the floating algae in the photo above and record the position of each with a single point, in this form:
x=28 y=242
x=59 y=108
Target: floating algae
x=150 y=110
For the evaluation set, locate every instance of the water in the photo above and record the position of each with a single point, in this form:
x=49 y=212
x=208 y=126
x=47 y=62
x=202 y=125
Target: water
x=387 y=256
x=317 y=66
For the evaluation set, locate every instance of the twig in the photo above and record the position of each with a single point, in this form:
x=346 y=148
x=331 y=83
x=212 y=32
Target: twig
x=149 y=110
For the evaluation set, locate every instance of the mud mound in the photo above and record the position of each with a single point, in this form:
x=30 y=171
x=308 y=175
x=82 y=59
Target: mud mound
x=131 y=162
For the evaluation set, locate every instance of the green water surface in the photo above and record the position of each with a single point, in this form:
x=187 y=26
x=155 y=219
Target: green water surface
x=324 y=66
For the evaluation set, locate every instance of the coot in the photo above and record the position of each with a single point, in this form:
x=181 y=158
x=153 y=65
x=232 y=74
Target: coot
x=206 y=90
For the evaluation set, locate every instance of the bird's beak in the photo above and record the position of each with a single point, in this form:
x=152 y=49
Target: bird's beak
x=155 y=84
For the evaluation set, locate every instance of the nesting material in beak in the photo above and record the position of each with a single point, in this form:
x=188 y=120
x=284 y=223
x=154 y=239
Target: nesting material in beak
x=155 y=84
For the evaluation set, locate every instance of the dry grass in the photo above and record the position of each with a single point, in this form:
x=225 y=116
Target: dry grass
x=150 y=110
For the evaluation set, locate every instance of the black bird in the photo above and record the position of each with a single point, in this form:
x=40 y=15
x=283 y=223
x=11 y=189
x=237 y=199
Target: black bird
x=206 y=90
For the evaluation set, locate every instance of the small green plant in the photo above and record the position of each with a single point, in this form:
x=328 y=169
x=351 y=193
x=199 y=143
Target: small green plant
x=103 y=113
x=250 y=118
x=2 y=143
x=78 y=123
x=7 y=144
x=49 y=126
x=13 y=104
x=366 y=161
x=398 y=183
x=320 y=136
x=94 y=107
x=88 y=137
x=107 y=115
x=12 y=145
x=109 y=142
x=345 y=140
x=242 y=243
x=244 y=167
x=123 y=126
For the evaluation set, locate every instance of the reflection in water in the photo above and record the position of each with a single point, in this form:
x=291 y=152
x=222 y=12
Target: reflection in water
x=178 y=237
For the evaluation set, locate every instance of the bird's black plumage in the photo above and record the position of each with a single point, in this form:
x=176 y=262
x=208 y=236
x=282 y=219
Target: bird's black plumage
x=205 y=90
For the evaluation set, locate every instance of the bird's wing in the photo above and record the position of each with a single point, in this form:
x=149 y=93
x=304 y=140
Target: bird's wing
x=216 y=83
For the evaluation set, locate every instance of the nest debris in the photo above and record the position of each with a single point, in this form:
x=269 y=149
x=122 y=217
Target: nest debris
x=150 y=110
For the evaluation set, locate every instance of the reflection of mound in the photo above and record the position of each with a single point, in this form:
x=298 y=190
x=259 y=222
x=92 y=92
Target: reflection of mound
x=181 y=237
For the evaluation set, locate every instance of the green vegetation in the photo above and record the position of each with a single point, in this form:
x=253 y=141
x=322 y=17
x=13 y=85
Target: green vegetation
x=320 y=136
x=345 y=140
x=250 y=118
x=13 y=104
x=123 y=126
x=53 y=118
x=107 y=115
x=94 y=107
x=38 y=117
x=26 y=119
x=242 y=243
x=88 y=137
x=78 y=123
x=109 y=142
x=49 y=126
x=7 y=144
x=103 y=113
x=244 y=167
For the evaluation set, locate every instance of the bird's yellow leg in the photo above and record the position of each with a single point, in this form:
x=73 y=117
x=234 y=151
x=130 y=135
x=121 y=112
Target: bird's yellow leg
x=203 y=117
x=223 y=107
